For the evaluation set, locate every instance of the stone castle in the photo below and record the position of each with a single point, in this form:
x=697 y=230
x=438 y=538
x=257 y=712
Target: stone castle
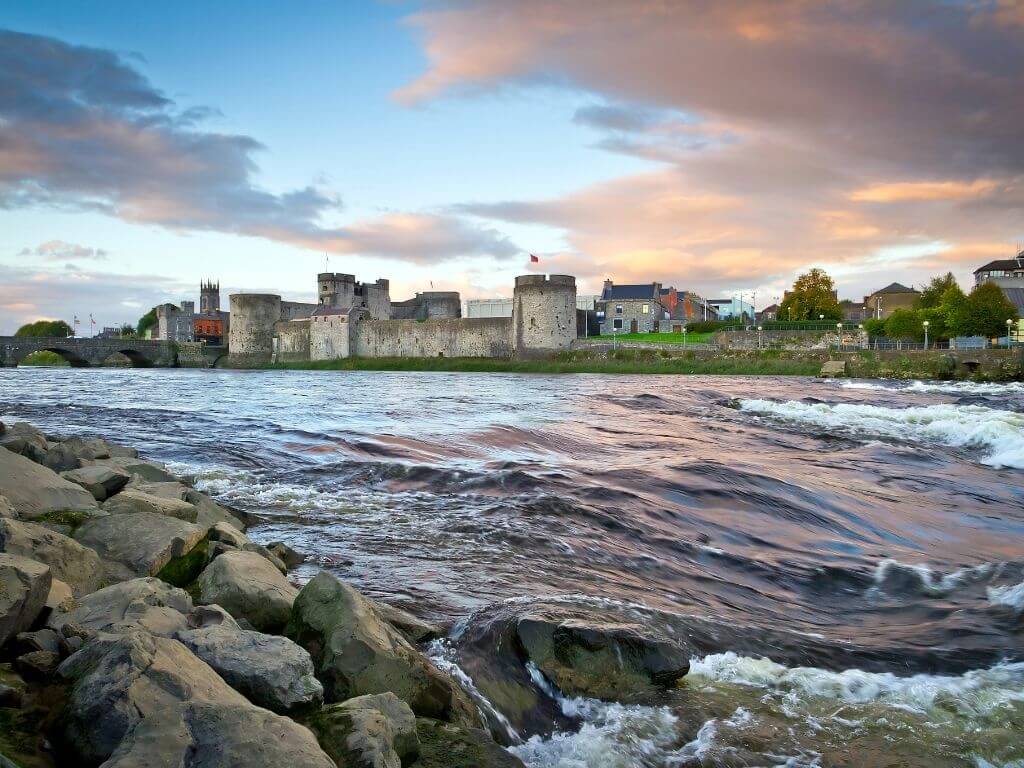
x=353 y=319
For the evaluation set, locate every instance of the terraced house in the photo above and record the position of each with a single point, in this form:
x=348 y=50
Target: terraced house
x=631 y=308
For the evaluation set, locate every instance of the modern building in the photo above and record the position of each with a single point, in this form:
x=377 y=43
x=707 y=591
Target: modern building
x=1008 y=274
x=734 y=308
x=502 y=307
x=885 y=301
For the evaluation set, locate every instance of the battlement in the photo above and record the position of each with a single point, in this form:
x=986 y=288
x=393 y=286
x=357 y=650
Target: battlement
x=523 y=281
x=336 y=277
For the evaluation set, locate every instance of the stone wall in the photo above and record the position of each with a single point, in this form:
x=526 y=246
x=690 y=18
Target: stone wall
x=291 y=344
x=330 y=334
x=296 y=310
x=543 y=314
x=253 y=317
x=477 y=337
x=429 y=305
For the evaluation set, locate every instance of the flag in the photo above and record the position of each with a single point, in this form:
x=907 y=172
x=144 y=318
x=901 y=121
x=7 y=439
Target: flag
x=534 y=259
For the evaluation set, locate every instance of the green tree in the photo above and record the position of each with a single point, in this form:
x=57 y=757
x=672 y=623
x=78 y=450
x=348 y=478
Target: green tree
x=48 y=328
x=985 y=312
x=904 y=324
x=951 y=307
x=126 y=330
x=813 y=295
x=146 y=322
x=931 y=295
x=875 y=326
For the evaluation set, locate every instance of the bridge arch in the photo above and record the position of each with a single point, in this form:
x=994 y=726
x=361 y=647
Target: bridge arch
x=72 y=359
x=135 y=358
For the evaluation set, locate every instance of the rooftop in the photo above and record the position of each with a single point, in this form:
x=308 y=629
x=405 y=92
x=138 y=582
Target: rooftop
x=644 y=291
x=895 y=288
x=1017 y=263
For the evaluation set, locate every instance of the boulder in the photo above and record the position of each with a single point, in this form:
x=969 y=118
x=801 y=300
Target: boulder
x=101 y=482
x=833 y=369
x=144 y=544
x=287 y=555
x=356 y=652
x=24 y=585
x=444 y=745
x=356 y=738
x=70 y=562
x=414 y=629
x=61 y=598
x=59 y=458
x=209 y=512
x=6 y=510
x=228 y=534
x=41 y=640
x=248 y=587
x=139 y=604
x=24 y=439
x=269 y=670
x=141 y=700
x=145 y=470
x=121 y=451
x=37 y=665
x=400 y=717
x=163 y=489
x=37 y=492
x=131 y=501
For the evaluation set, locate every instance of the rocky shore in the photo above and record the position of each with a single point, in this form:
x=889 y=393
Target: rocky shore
x=140 y=626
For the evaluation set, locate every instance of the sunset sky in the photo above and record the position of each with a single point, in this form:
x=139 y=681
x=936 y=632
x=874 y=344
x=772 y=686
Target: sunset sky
x=715 y=145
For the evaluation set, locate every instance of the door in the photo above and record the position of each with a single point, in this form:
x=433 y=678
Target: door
x=632 y=326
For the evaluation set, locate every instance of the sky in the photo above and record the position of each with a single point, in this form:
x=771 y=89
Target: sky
x=719 y=146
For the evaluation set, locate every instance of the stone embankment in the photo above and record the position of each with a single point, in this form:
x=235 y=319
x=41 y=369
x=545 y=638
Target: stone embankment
x=140 y=626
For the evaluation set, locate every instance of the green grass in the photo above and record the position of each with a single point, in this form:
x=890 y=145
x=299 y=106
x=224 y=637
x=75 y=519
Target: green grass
x=622 y=361
x=44 y=357
x=659 y=338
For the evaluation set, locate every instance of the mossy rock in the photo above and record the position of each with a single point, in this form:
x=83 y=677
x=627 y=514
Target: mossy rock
x=66 y=518
x=183 y=571
x=22 y=731
x=443 y=745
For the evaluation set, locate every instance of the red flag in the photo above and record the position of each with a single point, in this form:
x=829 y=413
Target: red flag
x=534 y=259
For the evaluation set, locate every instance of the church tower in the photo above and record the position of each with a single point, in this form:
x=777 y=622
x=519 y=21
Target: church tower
x=209 y=298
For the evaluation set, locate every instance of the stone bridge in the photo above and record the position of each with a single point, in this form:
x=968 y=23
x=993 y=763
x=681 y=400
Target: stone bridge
x=142 y=353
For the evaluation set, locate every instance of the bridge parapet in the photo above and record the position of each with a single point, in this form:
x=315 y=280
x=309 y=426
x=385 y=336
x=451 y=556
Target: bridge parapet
x=79 y=352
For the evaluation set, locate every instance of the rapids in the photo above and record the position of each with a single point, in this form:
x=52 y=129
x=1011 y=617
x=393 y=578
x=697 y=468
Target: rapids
x=847 y=558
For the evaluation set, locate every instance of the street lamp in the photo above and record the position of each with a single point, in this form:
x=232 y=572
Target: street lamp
x=925 y=324
x=684 y=337
x=759 y=337
x=1009 y=325
x=821 y=317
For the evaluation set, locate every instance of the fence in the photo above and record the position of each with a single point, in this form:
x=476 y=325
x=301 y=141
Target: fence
x=781 y=325
x=961 y=343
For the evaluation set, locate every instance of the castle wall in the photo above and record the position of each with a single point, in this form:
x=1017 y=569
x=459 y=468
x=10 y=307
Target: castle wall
x=296 y=310
x=291 y=342
x=543 y=314
x=253 y=317
x=330 y=335
x=481 y=337
x=429 y=305
x=377 y=299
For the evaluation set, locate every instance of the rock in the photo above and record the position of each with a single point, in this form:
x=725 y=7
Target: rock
x=72 y=637
x=101 y=482
x=24 y=585
x=70 y=562
x=140 y=700
x=140 y=604
x=265 y=553
x=165 y=490
x=40 y=640
x=61 y=598
x=6 y=510
x=208 y=512
x=37 y=665
x=414 y=629
x=210 y=616
x=121 y=451
x=270 y=671
x=400 y=717
x=248 y=587
x=87 y=448
x=443 y=745
x=360 y=738
x=228 y=534
x=145 y=470
x=130 y=501
x=23 y=439
x=356 y=652
x=36 y=491
x=59 y=458
x=10 y=697
x=144 y=544
x=833 y=369
x=287 y=555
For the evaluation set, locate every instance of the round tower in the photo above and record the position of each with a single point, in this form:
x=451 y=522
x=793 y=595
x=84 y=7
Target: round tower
x=543 y=314
x=253 y=315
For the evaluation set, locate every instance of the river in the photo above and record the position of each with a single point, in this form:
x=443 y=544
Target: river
x=861 y=541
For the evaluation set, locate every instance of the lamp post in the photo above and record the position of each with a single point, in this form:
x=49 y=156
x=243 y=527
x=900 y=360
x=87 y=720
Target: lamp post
x=1009 y=325
x=759 y=337
x=684 y=337
x=925 y=324
x=839 y=334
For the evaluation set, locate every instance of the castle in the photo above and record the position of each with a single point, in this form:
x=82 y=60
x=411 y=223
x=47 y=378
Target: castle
x=183 y=323
x=353 y=319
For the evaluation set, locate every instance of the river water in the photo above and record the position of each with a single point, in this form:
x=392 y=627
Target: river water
x=860 y=544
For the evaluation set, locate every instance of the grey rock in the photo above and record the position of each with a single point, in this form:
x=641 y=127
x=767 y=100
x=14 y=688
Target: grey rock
x=70 y=562
x=36 y=491
x=229 y=534
x=288 y=556
x=270 y=671
x=145 y=604
x=24 y=439
x=121 y=451
x=40 y=640
x=452 y=746
x=400 y=717
x=61 y=598
x=131 y=501
x=164 y=489
x=203 y=616
x=60 y=458
x=24 y=585
x=141 y=543
x=356 y=652
x=6 y=510
x=414 y=629
x=101 y=482
x=37 y=665
x=248 y=587
x=10 y=697
x=209 y=512
x=86 y=448
x=265 y=553
x=360 y=738
x=140 y=700
x=145 y=470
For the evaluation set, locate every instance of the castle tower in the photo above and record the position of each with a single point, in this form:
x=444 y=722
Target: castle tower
x=543 y=314
x=209 y=298
x=335 y=289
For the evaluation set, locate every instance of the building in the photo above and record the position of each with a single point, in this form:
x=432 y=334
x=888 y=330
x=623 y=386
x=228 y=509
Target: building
x=339 y=290
x=885 y=301
x=734 y=308
x=769 y=313
x=175 y=323
x=1008 y=274
x=854 y=312
x=632 y=309
x=502 y=307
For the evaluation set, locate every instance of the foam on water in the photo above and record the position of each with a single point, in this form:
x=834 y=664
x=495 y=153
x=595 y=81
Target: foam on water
x=894 y=575
x=999 y=435
x=954 y=387
x=1010 y=596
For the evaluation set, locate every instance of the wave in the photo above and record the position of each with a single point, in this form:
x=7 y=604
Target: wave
x=894 y=576
x=998 y=434
x=1010 y=596
x=954 y=387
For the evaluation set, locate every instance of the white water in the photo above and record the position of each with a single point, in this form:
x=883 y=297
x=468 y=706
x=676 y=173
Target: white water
x=953 y=387
x=893 y=573
x=1008 y=596
x=998 y=435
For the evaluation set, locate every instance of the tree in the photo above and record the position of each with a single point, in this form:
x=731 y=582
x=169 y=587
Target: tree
x=985 y=312
x=904 y=324
x=813 y=295
x=875 y=326
x=127 y=330
x=146 y=322
x=952 y=307
x=48 y=328
x=931 y=295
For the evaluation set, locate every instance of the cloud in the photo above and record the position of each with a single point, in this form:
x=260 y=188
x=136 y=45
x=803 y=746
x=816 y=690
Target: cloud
x=788 y=133
x=58 y=250
x=81 y=129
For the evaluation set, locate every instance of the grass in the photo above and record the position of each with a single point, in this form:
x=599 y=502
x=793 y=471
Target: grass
x=658 y=338
x=44 y=358
x=622 y=361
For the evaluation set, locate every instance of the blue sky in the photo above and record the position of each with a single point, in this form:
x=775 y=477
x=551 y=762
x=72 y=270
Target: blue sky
x=443 y=143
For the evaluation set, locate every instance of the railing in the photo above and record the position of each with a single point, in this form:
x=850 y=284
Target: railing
x=780 y=325
x=962 y=344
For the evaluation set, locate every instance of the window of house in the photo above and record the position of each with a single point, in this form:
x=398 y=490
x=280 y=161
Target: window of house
x=646 y=308
x=617 y=323
x=618 y=309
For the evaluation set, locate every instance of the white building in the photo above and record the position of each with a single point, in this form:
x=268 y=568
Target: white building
x=502 y=307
